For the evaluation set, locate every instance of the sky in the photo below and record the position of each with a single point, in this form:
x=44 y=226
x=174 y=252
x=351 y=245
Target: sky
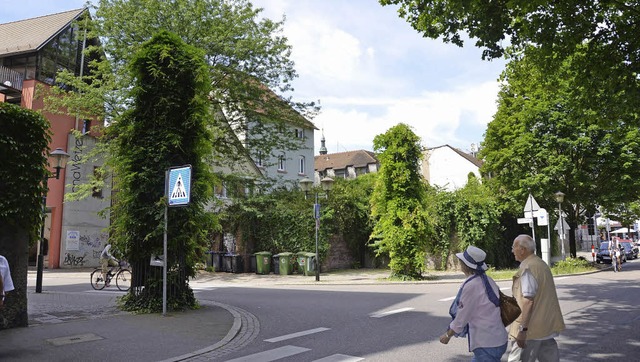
x=369 y=69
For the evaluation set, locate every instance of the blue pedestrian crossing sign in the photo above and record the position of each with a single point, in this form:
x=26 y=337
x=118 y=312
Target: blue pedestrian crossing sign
x=178 y=188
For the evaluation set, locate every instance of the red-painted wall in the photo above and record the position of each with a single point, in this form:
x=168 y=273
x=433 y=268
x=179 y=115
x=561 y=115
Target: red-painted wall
x=61 y=126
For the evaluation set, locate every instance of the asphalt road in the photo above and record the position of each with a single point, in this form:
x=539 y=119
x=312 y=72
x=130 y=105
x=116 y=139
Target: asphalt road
x=403 y=322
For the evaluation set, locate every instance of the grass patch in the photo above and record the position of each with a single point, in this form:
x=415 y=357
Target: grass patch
x=568 y=266
x=501 y=274
x=572 y=266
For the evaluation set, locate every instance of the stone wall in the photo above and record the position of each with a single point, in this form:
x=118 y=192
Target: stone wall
x=339 y=255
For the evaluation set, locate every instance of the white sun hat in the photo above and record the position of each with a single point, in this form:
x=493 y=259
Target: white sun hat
x=472 y=257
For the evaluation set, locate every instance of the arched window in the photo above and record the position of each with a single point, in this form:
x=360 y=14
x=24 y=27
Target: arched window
x=301 y=164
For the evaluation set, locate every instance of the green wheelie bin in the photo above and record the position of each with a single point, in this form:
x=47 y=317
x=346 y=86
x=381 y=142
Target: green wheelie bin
x=263 y=262
x=307 y=264
x=285 y=263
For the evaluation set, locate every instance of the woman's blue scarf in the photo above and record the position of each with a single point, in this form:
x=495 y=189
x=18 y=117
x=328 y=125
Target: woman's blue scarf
x=453 y=310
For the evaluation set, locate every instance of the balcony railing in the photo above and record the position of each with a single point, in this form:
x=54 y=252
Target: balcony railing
x=10 y=79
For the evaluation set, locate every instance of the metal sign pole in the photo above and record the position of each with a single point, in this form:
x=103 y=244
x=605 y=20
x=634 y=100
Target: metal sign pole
x=164 y=264
x=316 y=212
x=178 y=193
x=533 y=220
x=164 y=245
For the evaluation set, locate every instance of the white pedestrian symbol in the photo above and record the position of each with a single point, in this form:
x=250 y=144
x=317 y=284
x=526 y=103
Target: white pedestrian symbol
x=179 y=191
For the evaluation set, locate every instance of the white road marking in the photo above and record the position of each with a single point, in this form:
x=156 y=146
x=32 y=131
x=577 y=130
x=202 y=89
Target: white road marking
x=297 y=334
x=339 y=358
x=560 y=278
x=271 y=355
x=384 y=314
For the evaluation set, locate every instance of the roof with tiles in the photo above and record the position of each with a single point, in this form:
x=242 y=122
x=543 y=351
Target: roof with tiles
x=31 y=34
x=341 y=160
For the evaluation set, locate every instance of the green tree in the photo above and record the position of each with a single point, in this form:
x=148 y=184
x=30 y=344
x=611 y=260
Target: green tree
x=278 y=221
x=249 y=69
x=283 y=220
x=24 y=142
x=471 y=215
x=249 y=74
x=626 y=213
x=169 y=116
x=350 y=206
x=545 y=139
x=397 y=204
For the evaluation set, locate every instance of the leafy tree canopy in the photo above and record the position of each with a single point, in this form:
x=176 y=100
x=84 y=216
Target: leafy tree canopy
x=397 y=204
x=249 y=68
x=545 y=137
x=169 y=116
x=24 y=143
x=556 y=26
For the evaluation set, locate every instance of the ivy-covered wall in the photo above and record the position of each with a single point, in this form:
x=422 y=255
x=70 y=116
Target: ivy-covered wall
x=23 y=144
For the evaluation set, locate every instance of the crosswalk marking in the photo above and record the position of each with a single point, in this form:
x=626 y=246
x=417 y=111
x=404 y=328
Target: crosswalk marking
x=384 y=314
x=272 y=354
x=339 y=358
x=295 y=335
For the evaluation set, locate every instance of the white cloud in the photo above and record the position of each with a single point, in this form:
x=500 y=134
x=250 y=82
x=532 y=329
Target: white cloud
x=324 y=52
x=436 y=117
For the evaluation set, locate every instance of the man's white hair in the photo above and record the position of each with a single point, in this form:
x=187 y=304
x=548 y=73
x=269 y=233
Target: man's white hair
x=527 y=242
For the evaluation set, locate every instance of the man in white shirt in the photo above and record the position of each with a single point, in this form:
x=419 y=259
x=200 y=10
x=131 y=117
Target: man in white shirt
x=533 y=333
x=6 y=283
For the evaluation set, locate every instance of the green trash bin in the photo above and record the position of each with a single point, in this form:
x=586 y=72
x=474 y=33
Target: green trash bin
x=285 y=263
x=307 y=263
x=263 y=262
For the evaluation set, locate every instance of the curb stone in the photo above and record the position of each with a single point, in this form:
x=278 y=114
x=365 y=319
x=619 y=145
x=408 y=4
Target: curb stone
x=244 y=330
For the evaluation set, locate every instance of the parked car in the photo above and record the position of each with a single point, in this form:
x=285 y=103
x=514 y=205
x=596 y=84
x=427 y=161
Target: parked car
x=630 y=250
x=603 y=254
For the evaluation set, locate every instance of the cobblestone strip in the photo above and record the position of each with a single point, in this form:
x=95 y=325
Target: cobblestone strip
x=244 y=330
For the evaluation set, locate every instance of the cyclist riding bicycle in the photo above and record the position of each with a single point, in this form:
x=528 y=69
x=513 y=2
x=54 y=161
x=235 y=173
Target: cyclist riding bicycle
x=106 y=260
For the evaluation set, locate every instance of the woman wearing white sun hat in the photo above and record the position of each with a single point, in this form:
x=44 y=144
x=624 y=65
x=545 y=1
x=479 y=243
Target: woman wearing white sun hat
x=476 y=310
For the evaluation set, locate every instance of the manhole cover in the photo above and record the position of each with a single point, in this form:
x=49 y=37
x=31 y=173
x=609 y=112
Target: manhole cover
x=61 y=341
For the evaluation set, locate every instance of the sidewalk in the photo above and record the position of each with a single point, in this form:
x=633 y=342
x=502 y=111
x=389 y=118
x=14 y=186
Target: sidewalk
x=87 y=325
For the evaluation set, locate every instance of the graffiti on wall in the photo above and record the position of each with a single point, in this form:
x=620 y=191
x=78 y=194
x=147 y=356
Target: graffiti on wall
x=89 y=249
x=74 y=260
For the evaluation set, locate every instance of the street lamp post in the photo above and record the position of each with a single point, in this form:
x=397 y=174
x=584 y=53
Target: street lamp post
x=58 y=158
x=306 y=185
x=560 y=199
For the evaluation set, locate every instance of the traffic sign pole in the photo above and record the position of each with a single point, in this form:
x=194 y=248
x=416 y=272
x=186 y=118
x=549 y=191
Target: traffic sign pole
x=177 y=190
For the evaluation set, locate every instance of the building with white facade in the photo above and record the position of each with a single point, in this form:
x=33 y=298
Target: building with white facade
x=448 y=167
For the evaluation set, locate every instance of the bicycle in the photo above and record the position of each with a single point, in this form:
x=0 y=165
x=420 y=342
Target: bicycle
x=122 y=275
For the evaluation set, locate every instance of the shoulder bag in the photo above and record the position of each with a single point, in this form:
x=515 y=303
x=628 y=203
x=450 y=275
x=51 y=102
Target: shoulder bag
x=509 y=309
